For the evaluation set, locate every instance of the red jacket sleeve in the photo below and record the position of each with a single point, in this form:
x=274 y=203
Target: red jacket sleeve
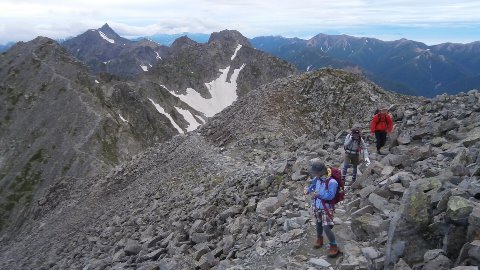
x=389 y=123
x=373 y=123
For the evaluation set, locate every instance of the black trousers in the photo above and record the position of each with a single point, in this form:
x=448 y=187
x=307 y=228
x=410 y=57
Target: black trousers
x=381 y=138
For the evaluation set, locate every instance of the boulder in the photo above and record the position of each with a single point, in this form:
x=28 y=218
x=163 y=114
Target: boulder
x=201 y=237
x=404 y=138
x=291 y=235
x=397 y=188
x=416 y=209
x=353 y=205
x=458 y=209
x=474 y=224
x=132 y=247
x=472 y=138
x=474 y=250
x=401 y=265
x=393 y=160
x=200 y=250
x=380 y=203
x=230 y=212
x=207 y=261
x=370 y=253
x=436 y=260
x=368 y=226
x=361 y=211
x=366 y=191
x=280 y=167
x=298 y=176
x=454 y=240
x=438 y=141
x=267 y=206
x=154 y=255
x=319 y=262
x=227 y=244
x=448 y=125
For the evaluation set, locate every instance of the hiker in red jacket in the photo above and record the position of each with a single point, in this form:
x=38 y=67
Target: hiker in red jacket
x=381 y=124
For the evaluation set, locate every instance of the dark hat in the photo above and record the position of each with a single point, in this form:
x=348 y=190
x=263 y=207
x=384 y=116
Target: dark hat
x=318 y=167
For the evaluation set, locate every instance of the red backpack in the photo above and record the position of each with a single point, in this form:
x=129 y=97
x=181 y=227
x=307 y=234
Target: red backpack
x=340 y=194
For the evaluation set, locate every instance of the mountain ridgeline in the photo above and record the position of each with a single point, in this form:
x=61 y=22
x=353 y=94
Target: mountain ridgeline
x=64 y=119
x=403 y=65
x=119 y=154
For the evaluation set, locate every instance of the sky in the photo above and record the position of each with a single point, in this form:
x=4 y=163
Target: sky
x=428 y=21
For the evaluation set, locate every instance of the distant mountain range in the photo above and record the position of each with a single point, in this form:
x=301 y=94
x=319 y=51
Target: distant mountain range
x=404 y=66
x=168 y=39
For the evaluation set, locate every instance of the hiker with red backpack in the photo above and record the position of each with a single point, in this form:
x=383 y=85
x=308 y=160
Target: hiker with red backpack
x=355 y=147
x=381 y=124
x=326 y=191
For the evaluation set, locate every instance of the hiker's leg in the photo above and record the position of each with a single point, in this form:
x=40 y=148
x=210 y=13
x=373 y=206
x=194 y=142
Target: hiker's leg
x=378 y=140
x=355 y=163
x=319 y=229
x=383 y=138
x=354 y=173
x=329 y=234
x=344 y=170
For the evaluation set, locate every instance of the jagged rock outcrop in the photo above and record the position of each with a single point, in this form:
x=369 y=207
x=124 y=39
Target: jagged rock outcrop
x=103 y=50
x=210 y=76
x=323 y=102
x=58 y=121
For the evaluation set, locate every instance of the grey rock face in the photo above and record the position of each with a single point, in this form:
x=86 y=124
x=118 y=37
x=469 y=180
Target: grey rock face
x=267 y=206
x=103 y=50
x=58 y=124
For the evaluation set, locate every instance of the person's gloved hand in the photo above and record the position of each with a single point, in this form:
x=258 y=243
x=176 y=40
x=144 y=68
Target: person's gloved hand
x=367 y=161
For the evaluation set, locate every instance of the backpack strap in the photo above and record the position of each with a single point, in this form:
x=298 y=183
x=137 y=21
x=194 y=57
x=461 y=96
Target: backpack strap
x=380 y=119
x=327 y=211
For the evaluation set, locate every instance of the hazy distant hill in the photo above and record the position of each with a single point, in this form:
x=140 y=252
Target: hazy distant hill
x=168 y=39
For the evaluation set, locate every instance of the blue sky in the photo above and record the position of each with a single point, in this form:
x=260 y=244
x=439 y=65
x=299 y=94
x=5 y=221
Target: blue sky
x=429 y=21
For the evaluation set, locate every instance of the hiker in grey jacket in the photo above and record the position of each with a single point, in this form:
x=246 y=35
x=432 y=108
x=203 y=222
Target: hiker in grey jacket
x=354 y=146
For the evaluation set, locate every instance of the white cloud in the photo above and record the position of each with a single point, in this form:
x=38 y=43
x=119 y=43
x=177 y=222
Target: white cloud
x=25 y=19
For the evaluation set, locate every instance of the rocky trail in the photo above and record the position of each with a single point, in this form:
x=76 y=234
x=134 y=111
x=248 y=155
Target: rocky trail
x=195 y=203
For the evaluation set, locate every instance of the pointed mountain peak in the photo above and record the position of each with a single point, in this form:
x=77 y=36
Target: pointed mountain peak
x=108 y=31
x=229 y=36
x=40 y=40
x=106 y=27
x=183 y=42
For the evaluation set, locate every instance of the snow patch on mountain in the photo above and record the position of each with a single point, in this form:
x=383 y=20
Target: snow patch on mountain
x=145 y=68
x=236 y=51
x=105 y=37
x=223 y=93
x=193 y=123
x=123 y=119
x=162 y=111
x=158 y=56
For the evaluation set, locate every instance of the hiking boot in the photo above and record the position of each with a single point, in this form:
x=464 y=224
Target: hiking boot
x=333 y=251
x=318 y=243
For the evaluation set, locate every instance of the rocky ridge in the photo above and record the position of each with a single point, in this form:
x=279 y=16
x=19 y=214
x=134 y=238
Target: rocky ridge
x=103 y=50
x=79 y=124
x=58 y=120
x=192 y=203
